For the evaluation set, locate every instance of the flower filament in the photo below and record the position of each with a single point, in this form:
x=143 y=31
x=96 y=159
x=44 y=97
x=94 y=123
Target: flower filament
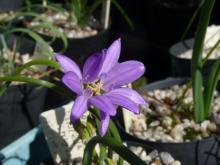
x=95 y=87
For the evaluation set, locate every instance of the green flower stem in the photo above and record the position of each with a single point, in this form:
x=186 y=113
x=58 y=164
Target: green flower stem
x=115 y=145
x=102 y=155
x=112 y=130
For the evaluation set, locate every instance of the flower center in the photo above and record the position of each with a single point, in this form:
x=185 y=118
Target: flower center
x=96 y=87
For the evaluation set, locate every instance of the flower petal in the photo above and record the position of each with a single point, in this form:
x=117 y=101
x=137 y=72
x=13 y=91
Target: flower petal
x=125 y=103
x=72 y=81
x=122 y=74
x=126 y=98
x=104 y=123
x=104 y=104
x=68 y=65
x=129 y=93
x=111 y=56
x=92 y=67
x=80 y=106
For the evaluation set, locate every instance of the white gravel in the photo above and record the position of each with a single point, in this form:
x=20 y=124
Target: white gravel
x=157 y=122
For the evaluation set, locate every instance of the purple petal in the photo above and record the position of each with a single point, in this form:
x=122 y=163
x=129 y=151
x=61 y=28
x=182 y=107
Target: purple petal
x=125 y=103
x=126 y=98
x=80 y=106
x=68 y=65
x=72 y=81
x=129 y=93
x=122 y=74
x=104 y=123
x=111 y=56
x=92 y=67
x=104 y=104
x=88 y=92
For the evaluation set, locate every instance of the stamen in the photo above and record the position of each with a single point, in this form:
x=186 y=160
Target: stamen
x=95 y=87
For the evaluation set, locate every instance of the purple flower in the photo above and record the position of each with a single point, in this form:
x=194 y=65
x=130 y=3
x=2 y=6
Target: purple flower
x=101 y=84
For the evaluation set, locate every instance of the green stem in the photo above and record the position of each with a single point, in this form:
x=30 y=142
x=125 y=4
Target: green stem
x=115 y=145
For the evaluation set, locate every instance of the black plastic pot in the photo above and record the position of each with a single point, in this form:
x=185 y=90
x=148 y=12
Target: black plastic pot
x=203 y=152
x=79 y=49
x=181 y=67
x=8 y=5
x=21 y=104
x=20 y=107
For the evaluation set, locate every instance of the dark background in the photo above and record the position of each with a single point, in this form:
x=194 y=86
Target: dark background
x=158 y=25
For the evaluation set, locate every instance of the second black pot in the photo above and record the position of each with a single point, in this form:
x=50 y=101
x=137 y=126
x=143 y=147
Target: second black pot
x=20 y=107
x=181 y=67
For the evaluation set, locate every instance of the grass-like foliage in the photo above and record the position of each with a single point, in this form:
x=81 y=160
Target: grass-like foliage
x=203 y=90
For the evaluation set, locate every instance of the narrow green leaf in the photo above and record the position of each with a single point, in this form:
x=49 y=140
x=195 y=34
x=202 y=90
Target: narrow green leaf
x=210 y=52
x=27 y=80
x=115 y=145
x=94 y=5
x=210 y=86
x=46 y=62
x=20 y=15
x=55 y=31
x=197 y=79
x=32 y=34
x=45 y=24
x=191 y=20
x=3 y=88
x=124 y=14
x=51 y=6
x=42 y=83
x=49 y=63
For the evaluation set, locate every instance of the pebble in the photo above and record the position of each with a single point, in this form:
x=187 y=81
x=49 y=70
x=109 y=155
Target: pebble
x=167 y=121
x=154 y=123
x=177 y=133
x=147 y=159
x=156 y=162
x=154 y=154
x=148 y=134
x=212 y=127
x=167 y=138
x=166 y=158
x=154 y=157
x=176 y=163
